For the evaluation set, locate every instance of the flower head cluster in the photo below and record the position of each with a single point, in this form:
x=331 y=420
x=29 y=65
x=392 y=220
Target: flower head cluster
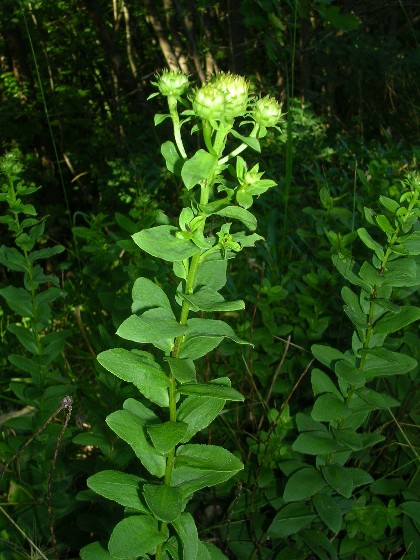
x=267 y=111
x=209 y=103
x=225 y=97
x=236 y=91
x=172 y=83
x=10 y=165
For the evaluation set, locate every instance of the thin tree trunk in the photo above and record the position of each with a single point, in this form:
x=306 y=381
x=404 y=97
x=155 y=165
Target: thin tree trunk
x=187 y=19
x=165 y=45
x=129 y=42
x=236 y=36
x=109 y=46
x=175 y=34
x=207 y=22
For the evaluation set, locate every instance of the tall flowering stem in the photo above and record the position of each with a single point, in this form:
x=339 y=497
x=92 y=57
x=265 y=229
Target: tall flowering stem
x=181 y=329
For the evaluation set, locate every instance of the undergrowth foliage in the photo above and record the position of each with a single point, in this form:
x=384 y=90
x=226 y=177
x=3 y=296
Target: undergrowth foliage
x=328 y=475
x=330 y=465
x=37 y=385
x=173 y=406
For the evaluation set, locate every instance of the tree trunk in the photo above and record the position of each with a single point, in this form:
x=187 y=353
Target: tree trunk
x=237 y=34
x=164 y=43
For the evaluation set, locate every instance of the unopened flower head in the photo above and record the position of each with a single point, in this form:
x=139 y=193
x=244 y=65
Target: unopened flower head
x=252 y=176
x=236 y=91
x=267 y=111
x=10 y=164
x=209 y=103
x=172 y=83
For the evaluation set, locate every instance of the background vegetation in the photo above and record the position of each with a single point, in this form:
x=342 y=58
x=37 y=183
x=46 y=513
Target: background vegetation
x=74 y=82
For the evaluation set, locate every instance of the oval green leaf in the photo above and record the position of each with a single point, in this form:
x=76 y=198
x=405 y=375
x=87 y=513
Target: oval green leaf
x=136 y=535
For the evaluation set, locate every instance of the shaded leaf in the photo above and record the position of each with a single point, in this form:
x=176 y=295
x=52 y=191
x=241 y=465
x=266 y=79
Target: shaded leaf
x=168 y=149
x=95 y=551
x=328 y=511
x=117 y=486
x=315 y=443
x=322 y=383
x=146 y=375
x=210 y=390
x=162 y=243
x=198 y=413
x=201 y=166
x=19 y=300
x=166 y=503
x=198 y=466
x=146 y=294
x=392 y=322
x=204 y=335
x=131 y=429
x=187 y=533
x=326 y=355
x=167 y=435
x=371 y=243
x=136 y=535
x=290 y=519
x=215 y=553
x=339 y=479
x=207 y=299
x=182 y=370
x=303 y=484
x=380 y=361
x=240 y=214
x=328 y=408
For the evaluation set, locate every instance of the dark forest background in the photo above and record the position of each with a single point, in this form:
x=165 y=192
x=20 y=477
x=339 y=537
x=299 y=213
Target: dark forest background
x=75 y=76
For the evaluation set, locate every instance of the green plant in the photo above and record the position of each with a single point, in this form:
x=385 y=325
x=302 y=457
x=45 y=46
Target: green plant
x=34 y=385
x=157 y=521
x=353 y=405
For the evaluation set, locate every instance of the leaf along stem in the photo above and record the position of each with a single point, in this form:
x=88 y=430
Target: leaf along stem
x=382 y=269
x=206 y=186
x=372 y=304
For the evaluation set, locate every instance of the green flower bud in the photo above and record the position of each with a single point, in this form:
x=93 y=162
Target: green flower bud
x=252 y=177
x=172 y=83
x=236 y=91
x=10 y=165
x=267 y=111
x=209 y=103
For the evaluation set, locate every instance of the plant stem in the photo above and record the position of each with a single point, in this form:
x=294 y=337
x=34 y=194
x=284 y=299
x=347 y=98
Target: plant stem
x=34 y=321
x=207 y=130
x=189 y=289
x=241 y=147
x=173 y=110
x=384 y=262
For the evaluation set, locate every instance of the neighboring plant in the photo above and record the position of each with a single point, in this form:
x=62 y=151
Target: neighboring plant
x=337 y=491
x=179 y=406
x=35 y=386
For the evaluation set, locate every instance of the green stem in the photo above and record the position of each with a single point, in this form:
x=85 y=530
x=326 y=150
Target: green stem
x=206 y=187
x=241 y=147
x=372 y=304
x=207 y=131
x=173 y=110
x=221 y=134
x=189 y=289
x=383 y=266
